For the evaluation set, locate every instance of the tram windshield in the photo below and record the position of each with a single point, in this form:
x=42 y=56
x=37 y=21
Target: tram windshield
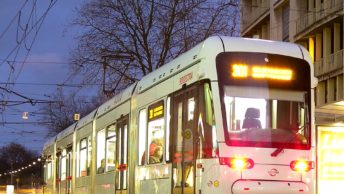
x=266 y=118
x=265 y=100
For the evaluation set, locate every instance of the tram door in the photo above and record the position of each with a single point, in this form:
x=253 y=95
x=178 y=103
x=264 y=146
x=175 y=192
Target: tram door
x=122 y=155
x=183 y=140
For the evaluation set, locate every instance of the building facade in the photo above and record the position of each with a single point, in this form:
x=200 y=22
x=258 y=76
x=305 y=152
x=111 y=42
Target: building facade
x=318 y=26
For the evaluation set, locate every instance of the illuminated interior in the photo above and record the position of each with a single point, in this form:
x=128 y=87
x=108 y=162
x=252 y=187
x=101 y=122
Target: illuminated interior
x=266 y=116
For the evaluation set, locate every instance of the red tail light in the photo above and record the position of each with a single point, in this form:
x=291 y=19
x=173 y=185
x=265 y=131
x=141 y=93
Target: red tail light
x=301 y=165
x=237 y=163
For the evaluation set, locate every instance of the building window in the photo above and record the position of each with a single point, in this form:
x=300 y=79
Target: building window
x=285 y=23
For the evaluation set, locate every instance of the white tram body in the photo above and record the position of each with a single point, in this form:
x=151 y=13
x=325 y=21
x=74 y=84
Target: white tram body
x=231 y=115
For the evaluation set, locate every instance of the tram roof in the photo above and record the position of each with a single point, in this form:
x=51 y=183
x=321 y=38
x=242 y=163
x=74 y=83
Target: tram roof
x=233 y=44
x=49 y=143
x=173 y=67
x=116 y=100
x=66 y=132
x=86 y=119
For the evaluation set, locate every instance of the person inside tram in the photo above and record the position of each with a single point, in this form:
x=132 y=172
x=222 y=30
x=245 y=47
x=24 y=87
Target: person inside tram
x=157 y=155
x=251 y=120
x=154 y=143
x=101 y=168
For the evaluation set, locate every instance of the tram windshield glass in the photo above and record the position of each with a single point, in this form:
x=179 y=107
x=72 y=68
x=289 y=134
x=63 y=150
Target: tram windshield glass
x=265 y=100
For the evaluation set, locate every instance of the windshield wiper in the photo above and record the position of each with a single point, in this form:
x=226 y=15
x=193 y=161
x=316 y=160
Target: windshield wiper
x=281 y=148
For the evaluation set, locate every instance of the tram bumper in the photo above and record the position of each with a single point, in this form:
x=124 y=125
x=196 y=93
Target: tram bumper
x=269 y=187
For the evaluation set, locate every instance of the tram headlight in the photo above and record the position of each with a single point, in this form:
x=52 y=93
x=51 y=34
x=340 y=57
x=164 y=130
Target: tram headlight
x=237 y=163
x=301 y=165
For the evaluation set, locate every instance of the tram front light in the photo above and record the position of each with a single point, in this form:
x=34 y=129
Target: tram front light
x=237 y=163
x=301 y=165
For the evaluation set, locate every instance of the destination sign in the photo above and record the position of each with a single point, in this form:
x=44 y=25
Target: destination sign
x=156 y=110
x=261 y=72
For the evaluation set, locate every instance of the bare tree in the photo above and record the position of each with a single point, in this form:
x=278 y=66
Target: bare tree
x=14 y=156
x=122 y=40
x=59 y=114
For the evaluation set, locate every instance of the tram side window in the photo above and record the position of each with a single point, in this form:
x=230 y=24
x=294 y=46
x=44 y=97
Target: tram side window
x=206 y=126
x=101 y=151
x=89 y=155
x=111 y=148
x=58 y=165
x=156 y=123
x=63 y=165
x=49 y=170
x=106 y=149
x=77 y=159
x=83 y=158
x=142 y=136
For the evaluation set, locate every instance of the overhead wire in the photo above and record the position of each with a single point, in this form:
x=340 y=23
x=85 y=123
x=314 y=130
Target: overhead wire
x=16 y=49
x=12 y=20
x=36 y=25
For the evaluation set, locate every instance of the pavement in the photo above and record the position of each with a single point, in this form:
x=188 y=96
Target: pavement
x=22 y=191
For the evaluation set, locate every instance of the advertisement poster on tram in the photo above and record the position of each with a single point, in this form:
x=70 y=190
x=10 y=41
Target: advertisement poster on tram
x=330 y=146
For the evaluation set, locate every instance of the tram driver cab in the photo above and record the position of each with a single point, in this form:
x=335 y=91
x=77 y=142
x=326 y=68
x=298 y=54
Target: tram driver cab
x=252 y=119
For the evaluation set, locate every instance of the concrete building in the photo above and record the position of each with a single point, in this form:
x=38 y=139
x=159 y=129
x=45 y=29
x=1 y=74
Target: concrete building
x=318 y=26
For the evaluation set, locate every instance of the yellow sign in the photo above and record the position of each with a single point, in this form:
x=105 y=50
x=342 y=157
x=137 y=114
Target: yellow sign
x=261 y=72
x=156 y=110
x=331 y=154
x=216 y=183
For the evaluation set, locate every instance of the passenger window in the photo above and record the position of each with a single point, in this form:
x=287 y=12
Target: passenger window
x=156 y=124
x=106 y=149
x=89 y=155
x=142 y=136
x=58 y=165
x=83 y=157
x=49 y=167
x=101 y=151
x=63 y=165
x=111 y=148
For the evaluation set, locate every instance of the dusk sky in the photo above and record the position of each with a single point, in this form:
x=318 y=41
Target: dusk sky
x=46 y=63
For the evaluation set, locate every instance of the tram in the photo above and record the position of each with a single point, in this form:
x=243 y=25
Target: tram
x=231 y=115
